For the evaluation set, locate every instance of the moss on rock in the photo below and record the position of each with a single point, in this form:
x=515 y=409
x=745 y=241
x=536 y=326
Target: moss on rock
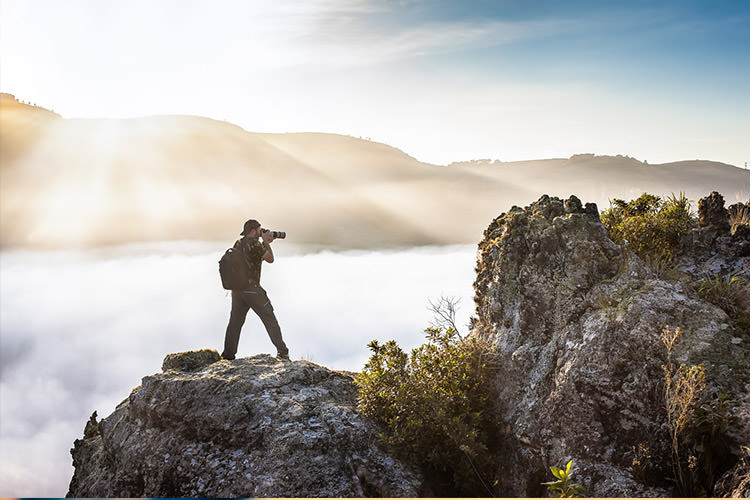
x=190 y=361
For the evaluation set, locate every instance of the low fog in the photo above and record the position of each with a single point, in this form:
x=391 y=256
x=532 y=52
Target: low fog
x=80 y=329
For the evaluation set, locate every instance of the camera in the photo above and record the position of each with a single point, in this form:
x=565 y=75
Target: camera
x=276 y=234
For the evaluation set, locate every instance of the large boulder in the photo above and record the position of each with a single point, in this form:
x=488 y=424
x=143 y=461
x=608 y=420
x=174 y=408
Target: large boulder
x=253 y=427
x=576 y=322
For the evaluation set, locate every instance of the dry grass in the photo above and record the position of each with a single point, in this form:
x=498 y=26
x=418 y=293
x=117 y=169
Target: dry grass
x=683 y=386
x=739 y=215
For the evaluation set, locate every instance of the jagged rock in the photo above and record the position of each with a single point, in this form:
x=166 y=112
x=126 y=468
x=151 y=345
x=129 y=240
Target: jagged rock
x=576 y=322
x=253 y=427
x=718 y=246
x=92 y=427
x=711 y=212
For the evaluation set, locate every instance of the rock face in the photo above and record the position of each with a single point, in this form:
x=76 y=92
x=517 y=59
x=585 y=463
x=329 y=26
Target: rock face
x=253 y=427
x=711 y=213
x=576 y=322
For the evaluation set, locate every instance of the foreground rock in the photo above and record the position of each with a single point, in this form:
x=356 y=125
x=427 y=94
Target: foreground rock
x=253 y=427
x=576 y=322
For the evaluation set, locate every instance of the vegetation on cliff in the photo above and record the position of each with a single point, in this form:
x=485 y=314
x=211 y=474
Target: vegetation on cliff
x=575 y=325
x=435 y=406
x=658 y=230
x=654 y=227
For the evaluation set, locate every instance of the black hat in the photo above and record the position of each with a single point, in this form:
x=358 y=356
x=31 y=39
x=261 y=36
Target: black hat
x=249 y=226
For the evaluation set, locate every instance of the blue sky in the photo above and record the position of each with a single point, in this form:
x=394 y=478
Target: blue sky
x=444 y=81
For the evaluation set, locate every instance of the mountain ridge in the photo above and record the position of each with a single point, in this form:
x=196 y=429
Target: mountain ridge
x=172 y=177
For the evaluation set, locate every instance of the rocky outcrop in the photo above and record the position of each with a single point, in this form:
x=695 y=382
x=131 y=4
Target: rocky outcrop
x=576 y=322
x=721 y=243
x=253 y=427
x=711 y=213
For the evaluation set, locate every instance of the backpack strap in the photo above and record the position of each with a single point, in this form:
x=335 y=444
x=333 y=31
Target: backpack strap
x=241 y=244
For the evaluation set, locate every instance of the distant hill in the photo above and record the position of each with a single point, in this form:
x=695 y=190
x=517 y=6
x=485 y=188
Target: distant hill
x=76 y=182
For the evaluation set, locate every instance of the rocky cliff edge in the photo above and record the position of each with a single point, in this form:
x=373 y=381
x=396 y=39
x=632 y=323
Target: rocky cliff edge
x=576 y=321
x=252 y=427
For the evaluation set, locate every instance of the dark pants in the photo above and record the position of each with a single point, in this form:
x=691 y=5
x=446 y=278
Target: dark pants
x=242 y=301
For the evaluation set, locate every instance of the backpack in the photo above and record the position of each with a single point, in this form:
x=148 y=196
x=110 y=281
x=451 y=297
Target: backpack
x=233 y=269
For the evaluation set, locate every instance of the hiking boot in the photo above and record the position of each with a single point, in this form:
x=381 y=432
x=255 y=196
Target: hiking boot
x=283 y=357
x=228 y=358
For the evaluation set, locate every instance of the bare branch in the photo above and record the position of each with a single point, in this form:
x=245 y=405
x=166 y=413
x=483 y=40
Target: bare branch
x=445 y=313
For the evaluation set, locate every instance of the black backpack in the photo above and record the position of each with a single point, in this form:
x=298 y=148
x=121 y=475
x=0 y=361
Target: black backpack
x=233 y=269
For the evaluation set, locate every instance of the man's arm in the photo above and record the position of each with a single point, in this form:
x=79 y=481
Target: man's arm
x=267 y=239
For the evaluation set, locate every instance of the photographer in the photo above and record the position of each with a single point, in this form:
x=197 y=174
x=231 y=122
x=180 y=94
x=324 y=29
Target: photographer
x=253 y=296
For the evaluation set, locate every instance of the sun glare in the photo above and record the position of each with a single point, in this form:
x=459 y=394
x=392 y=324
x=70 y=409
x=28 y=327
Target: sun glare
x=77 y=185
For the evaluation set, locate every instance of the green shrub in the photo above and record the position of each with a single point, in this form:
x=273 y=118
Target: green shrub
x=653 y=227
x=435 y=405
x=709 y=432
x=725 y=292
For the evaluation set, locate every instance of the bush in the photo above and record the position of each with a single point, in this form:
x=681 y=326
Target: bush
x=436 y=408
x=653 y=227
x=725 y=292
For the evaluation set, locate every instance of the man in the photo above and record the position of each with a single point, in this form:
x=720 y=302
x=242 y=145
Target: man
x=253 y=296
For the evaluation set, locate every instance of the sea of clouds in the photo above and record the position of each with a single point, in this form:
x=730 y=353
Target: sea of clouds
x=78 y=330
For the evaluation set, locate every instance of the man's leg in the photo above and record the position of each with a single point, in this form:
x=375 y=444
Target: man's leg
x=236 y=320
x=260 y=303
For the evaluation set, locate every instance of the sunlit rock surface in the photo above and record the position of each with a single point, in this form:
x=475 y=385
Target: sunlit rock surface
x=252 y=427
x=576 y=321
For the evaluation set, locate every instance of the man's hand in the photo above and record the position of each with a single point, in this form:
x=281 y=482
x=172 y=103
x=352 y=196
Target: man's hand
x=267 y=237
